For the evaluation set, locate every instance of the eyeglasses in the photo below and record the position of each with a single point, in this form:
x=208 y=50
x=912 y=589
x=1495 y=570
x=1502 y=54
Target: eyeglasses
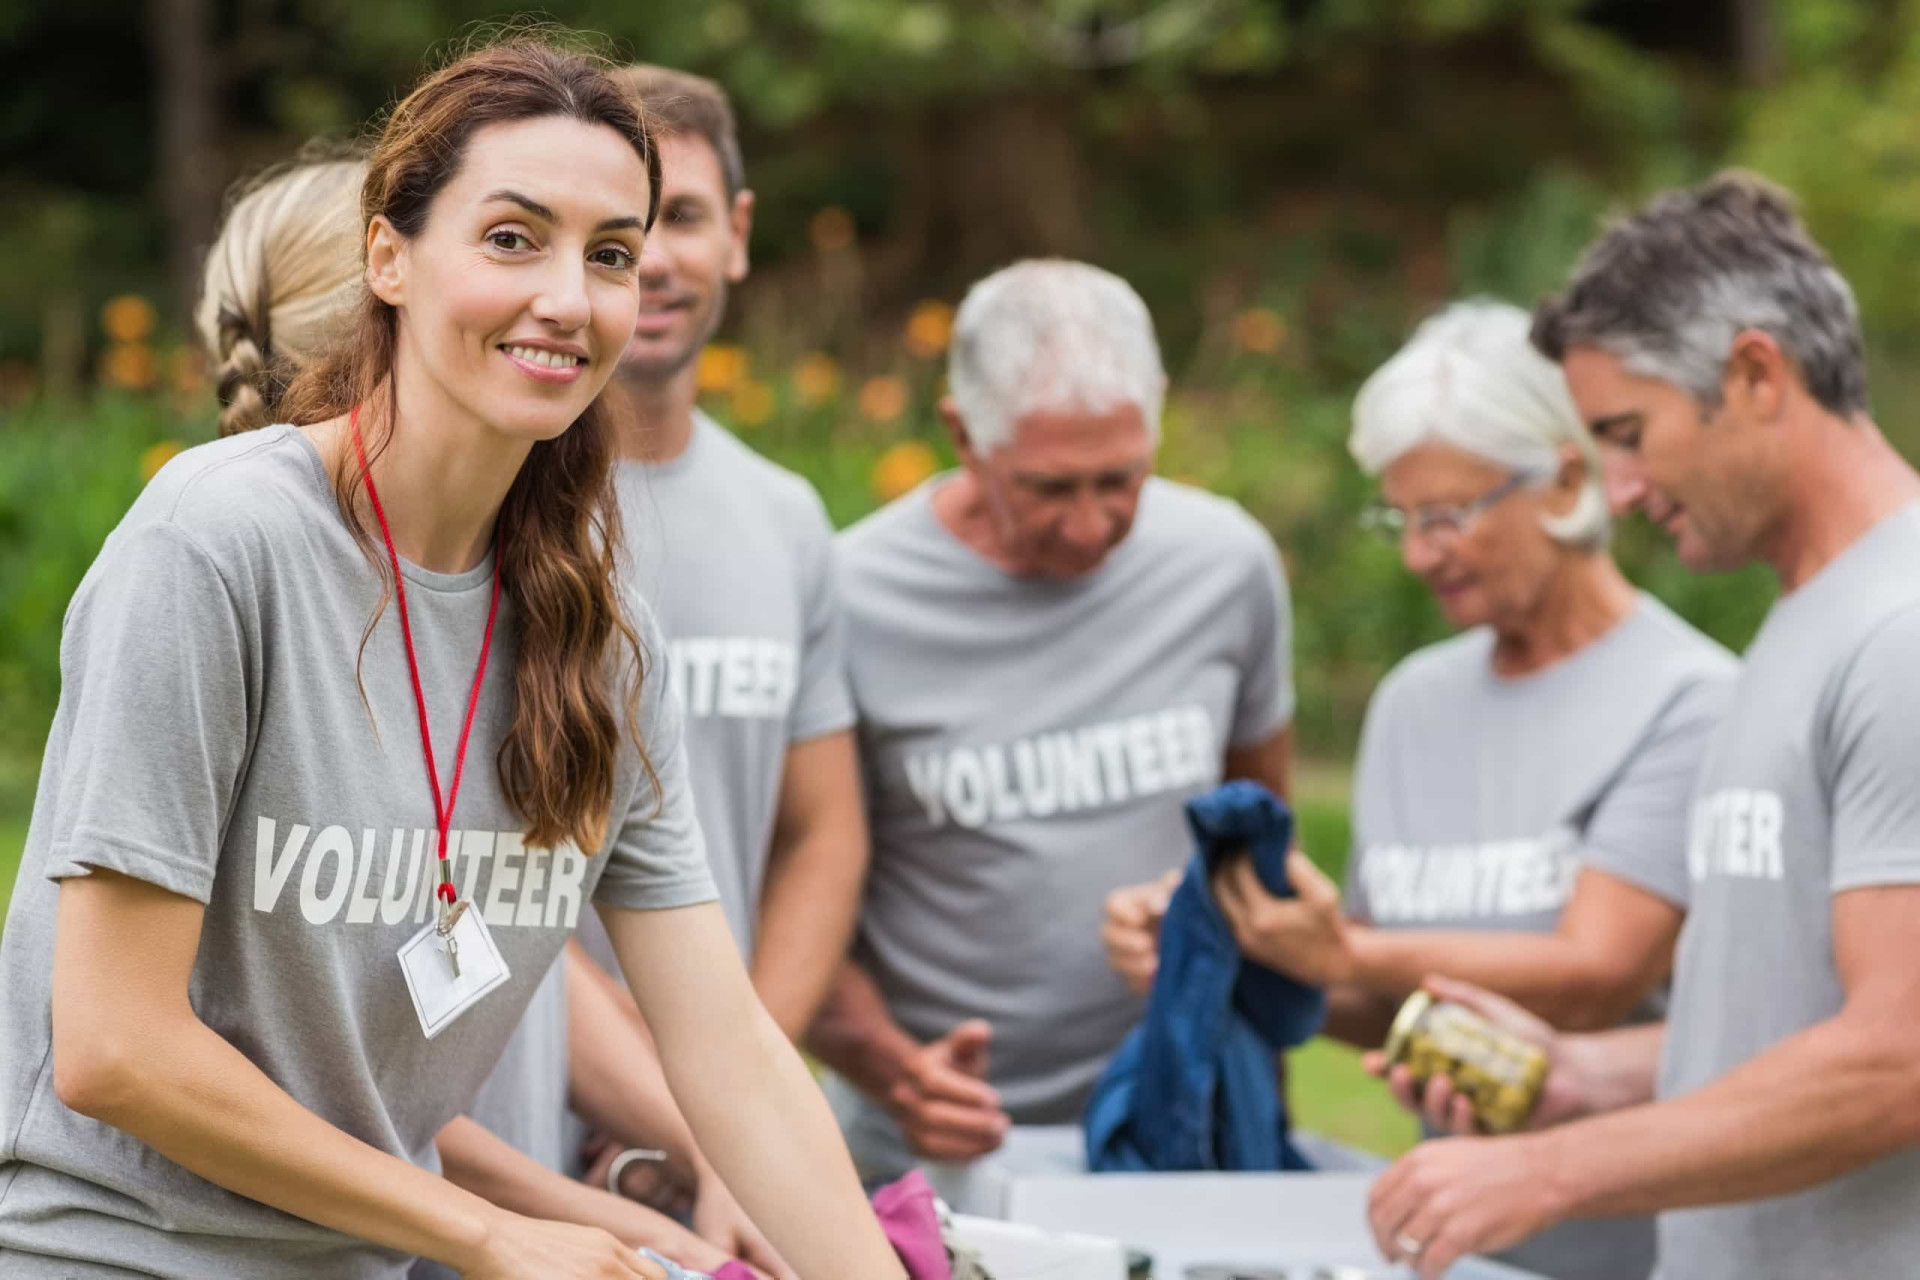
x=1439 y=524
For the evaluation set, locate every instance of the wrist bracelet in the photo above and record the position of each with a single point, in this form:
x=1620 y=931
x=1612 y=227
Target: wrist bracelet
x=627 y=1157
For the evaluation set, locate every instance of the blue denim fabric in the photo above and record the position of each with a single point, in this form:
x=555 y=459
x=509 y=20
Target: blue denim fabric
x=1193 y=1086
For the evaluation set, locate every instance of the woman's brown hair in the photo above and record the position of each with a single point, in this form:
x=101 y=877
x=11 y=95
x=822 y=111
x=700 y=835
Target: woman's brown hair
x=559 y=528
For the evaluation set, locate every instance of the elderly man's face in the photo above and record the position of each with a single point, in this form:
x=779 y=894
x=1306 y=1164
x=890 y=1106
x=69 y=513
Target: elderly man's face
x=1063 y=491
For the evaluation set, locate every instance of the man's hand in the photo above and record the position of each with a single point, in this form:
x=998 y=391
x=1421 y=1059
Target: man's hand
x=1130 y=930
x=1304 y=937
x=1451 y=1197
x=1573 y=1088
x=942 y=1100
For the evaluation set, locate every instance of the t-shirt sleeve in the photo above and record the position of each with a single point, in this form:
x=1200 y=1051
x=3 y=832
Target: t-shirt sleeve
x=154 y=664
x=1265 y=703
x=658 y=857
x=1870 y=751
x=822 y=702
x=1639 y=827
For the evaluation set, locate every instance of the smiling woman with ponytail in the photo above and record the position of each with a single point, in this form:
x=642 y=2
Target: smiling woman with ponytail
x=232 y=1026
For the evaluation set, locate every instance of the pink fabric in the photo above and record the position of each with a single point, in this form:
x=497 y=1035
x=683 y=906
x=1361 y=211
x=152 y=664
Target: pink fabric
x=906 y=1213
x=912 y=1227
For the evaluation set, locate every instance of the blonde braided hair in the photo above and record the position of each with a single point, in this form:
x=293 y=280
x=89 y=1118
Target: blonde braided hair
x=282 y=281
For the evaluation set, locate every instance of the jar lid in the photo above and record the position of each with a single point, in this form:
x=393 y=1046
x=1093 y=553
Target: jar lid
x=1404 y=1022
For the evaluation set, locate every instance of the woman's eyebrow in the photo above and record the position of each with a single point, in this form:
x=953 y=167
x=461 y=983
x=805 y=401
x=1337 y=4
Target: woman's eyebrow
x=528 y=203
x=541 y=211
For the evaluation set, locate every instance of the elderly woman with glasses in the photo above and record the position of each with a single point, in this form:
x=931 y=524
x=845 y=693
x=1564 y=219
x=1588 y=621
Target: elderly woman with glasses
x=1522 y=793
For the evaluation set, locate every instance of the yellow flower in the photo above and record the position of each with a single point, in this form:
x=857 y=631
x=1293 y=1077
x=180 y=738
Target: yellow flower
x=156 y=457
x=929 y=328
x=128 y=318
x=831 y=229
x=883 y=398
x=901 y=467
x=815 y=378
x=1259 y=330
x=131 y=365
x=722 y=368
x=752 y=403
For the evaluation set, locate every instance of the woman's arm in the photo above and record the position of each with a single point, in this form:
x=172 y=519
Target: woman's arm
x=614 y=1078
x=1613 y=943
x=618 y=1087
x=757 y=1113
x=492 y=1168
x=129 y=1051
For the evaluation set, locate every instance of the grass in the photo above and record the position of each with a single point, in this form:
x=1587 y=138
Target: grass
x=1328 y=1092
x=13 y=841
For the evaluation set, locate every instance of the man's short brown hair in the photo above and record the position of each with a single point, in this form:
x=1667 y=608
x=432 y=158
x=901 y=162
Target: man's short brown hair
x=679 y=103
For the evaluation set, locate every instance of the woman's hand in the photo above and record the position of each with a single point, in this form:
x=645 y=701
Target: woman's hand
x=520 y=1248
x=1304 y=937
x=721 y=1222
x=1130 y=929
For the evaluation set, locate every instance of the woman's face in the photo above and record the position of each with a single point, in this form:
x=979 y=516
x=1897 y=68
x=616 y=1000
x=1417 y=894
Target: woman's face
x=1493 y=566
x=517 y=297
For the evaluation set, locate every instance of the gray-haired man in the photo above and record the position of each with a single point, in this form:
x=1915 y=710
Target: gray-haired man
x=1050 y=650
x=1716 y=352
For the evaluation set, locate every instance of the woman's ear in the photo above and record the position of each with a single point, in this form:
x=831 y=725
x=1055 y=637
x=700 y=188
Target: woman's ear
x=386 y=262
x=1570 y=479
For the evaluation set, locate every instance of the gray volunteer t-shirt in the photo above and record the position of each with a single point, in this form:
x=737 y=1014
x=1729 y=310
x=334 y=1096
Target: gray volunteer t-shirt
x=1028 y=745
x=1810 y=789
x=1478 y=799
x=735 y=554
x=524 y=1100
x=211 y=739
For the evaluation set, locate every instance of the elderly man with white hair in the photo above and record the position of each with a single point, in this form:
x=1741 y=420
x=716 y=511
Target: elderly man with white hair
x=1050 y=650
x=1521 y=798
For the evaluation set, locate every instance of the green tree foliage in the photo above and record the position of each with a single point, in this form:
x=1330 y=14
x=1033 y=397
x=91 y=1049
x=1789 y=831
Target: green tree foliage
x=1292 y=184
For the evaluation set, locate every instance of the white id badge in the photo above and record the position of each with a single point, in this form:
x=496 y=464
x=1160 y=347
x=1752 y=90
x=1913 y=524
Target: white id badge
x=439 y=996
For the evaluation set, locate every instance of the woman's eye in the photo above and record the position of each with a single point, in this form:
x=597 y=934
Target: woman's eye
x=509 y=240
x=613 y=255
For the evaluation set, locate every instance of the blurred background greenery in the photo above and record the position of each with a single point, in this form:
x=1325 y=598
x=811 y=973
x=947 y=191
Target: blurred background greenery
x=1291 y=184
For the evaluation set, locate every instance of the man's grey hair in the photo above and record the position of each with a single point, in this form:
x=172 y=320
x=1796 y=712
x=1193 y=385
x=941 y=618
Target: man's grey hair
x=1051 y=334
x=1468 y=378
x=1667 y=289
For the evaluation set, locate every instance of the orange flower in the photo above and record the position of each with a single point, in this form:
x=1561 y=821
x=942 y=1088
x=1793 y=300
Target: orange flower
x=156 y=457
x=883 y=398
x=131 y=365
x=722 y=368
x=815 y=378
x=831 y=229
x=901 y=467
x=1259 y=330
x=752 y=403
x=128 y=318
x=929 y=328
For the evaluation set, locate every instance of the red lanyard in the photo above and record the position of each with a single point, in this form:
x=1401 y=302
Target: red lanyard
x=443 y=814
